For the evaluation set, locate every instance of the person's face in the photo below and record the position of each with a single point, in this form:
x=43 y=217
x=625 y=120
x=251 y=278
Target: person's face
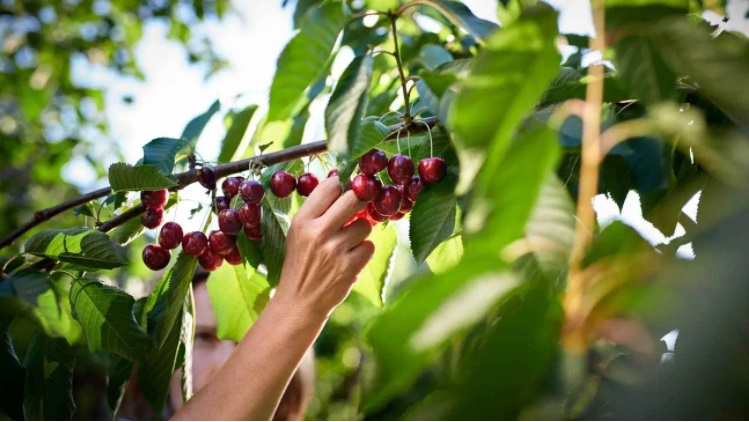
x=208 y=353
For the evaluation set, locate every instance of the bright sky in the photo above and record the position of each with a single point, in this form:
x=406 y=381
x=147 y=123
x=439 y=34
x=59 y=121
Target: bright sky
x=251 y=40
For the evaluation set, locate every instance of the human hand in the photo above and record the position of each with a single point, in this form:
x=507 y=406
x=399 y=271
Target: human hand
x=323 y=258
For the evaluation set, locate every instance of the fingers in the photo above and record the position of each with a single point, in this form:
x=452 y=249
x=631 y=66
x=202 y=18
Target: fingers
x=344 y=208
x=352 y=235
x=360 y=255
x=320 y=199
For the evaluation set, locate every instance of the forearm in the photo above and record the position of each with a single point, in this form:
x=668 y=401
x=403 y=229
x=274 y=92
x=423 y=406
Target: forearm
x=250 y=384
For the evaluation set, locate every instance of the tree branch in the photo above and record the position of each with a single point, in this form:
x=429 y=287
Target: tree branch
x=189 y=177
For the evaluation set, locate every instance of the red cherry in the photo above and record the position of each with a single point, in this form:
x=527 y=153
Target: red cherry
x=154 y=198
x=151 y=217
x=333 y=172
x=432 y=170
x=406 y=203
x=397 y=216
x=194 y=243
x=207 y=177
x=229 y=221
x=372 y=162
x=170 y=235
x=250 y=214
x=375 y=216
x=366 y=188
x=400 y=169
x=155 y=257
x=220 y=242
x=252 y=191
x=210 y=260
x=413 y=188
x=230 y=187
x=306 y=184
x=282 y=184
x=222 y=203
x=234 y=257
x=359 y=215
x=253 y=233
x=388 y=201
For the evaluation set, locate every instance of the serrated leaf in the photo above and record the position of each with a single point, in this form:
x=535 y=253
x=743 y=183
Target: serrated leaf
x=372 y=133
x=617 y=178
x=124 y=177
x=446 y=255
x=462 y=16
x=274 y=226
x=347 y=105
x=239 y=123
x=164 y=305
x=238 y=294
x=106 y=317
x=83 y=247
x=303 y=58
x=372 y=278
x=195 y=127
x=432 y=217
x=48 y=388
x=155 y=373
x=161 y=153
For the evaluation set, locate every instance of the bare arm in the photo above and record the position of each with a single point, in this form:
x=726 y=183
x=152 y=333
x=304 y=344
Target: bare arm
x=321 y=264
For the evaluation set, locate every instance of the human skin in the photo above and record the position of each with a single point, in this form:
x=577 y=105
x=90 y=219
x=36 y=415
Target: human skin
x=322 y=261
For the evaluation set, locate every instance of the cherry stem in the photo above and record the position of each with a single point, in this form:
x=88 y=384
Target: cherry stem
x=408 y=142
x=398 y=141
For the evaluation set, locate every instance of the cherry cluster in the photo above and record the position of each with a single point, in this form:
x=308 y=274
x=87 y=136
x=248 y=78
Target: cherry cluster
x=392 y=202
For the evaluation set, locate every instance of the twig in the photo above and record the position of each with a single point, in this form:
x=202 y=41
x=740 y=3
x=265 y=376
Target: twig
x=407 y=113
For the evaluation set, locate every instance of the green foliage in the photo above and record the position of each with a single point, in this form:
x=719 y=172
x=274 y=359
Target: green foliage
x=238 y=295
x=373 y=277
x=124 y=177
x=161 y=153
x=347 y=104
x=239 y=122
x=49 y=365
x=164 y=306
x=195 y=127
x=81 y=247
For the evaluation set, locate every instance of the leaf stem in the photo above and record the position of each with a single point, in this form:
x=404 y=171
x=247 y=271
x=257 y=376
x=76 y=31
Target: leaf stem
x=407 y=115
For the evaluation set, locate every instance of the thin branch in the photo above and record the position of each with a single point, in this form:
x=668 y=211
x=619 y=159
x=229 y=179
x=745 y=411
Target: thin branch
x=190 y=177
x=407 y=113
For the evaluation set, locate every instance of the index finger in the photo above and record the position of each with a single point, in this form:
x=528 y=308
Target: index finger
x=342 y=209
x=324 y=195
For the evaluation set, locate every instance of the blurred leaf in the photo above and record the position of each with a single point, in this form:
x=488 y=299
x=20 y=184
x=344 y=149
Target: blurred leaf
x=640 y=63
x=303 y=58
x=193 y=129
x=432 y=217
x=372 y=278
x=124 y=177
x=446 y=255
x=238 y=294
x=164 y=305
x=301 y=9
x=232 y=140
x=347 y=105
x=83 y=247
x=273 y=227
x=617 y=178
x=431 y=56
x=616 y=239
x=48 y=391
x=155 y=373
x=161 y=153
x=118 y=374
x=461 y=15
x=106 y=317
x=29 y=284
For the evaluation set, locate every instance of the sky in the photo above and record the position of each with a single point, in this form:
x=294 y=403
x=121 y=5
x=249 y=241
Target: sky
x=251 y=39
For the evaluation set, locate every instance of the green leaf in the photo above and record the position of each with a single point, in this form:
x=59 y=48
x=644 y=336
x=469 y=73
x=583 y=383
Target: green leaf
x=432 y=217
x=106 y=317
x=48 y=388
x=446 y=255
x=238 y=294
x=251 y=250
x=347 y=105
x=83 y=247
x=118 y=375
x=124 y=177
x=640 y=64
x=164 y=305
x=372 y=133
x=303 y=58
x=432 y=56
x=28 y=284
x=161 y=153
x=195 y=127
x=239 y=123
x=372 y=278
x=617 y=178
x=507 y=78
x=274 y=226
x=461 y=15
x=155 y=373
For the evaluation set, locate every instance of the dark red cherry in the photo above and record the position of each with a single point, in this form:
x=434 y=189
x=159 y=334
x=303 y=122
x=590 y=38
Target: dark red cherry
x=253 y=233
x=400 y=169
x=375 y=216
x=233 y=257
x=432 y=170
x=252 y=191
x=210 y=260
x=306 y=184
x=413 y=188
x=406 y=203
x=388 y=201
x=151 y=217
x=154 y=198
x=229 y=221
x=372 y=162
x=230 y=187
x=155 y=257
x=333 y=172
x=359 y=215
x=397 y=216
x=194 y=243
x=170 y=235
x=220 y=242
x=222 y=204
x=282 y=184
x=366 y=188
x=207 y=177
x=250 y=215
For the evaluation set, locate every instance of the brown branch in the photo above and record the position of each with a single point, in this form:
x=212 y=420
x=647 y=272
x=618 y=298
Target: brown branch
x=189 y=177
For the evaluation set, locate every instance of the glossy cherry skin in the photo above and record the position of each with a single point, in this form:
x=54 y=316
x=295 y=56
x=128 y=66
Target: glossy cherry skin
x=154 y=198
x=151 y=217
x=400 y=169
x=222 y=204
x=220 y=242
x=406 y=203
x=207 y=177
x=251 y=191
x=253 y=233
x=194 y=243
x=306 y=184
x=359 y=215
x=170 y=235
x=250 y=215
x=366 y=188
x=397 y=216
x=413 y=188
x=333 y=172
x=230 y=187
x=372 y=162
x=432 y=170
x=229 y=221
x=155 y=257
x=388 y=201
x=375 y=216
x=282 y=184
x=233 y=257
x=210 y=260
